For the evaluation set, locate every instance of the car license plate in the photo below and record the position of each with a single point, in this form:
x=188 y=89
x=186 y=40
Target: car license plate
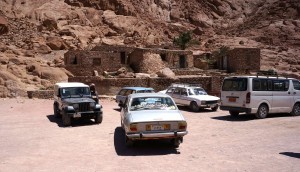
x=232 y=99
x=157 y=127
x=77 y=115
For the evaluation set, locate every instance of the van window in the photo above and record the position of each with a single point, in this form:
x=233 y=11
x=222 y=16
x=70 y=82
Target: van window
x=261 y=85
x=235 y=84
x=280 y=85
x=296 y=85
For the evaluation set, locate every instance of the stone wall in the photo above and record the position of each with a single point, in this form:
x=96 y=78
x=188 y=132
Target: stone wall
x=110 y=86
x=244 y=60
x=41 y=94
x=84 y=63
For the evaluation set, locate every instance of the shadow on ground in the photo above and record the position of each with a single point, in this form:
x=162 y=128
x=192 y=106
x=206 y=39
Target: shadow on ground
x=117 y=109
x=291 y=154
x=75 y=122
x=142 y=148
x=186 y=108
x=247 y=117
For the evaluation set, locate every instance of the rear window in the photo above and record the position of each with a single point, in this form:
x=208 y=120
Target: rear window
x=235 y=84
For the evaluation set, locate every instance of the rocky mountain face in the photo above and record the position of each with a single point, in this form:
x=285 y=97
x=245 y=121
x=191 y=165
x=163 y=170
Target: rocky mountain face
x=35 y=34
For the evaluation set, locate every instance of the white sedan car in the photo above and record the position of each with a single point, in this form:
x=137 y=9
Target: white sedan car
x=193 y=96
x=147 y=116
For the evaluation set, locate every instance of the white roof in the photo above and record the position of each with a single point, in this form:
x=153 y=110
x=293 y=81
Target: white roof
x=71 y=84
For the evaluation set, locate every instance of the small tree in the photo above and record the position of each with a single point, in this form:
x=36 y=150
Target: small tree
x=184 y=40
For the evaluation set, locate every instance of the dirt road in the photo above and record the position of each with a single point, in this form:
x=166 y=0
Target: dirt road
x=31 y=139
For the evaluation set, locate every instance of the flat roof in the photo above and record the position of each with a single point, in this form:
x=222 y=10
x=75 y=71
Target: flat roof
x=71 y=84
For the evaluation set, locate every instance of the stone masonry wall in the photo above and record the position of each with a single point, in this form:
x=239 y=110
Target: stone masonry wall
x=110 y=86
x=243 y=60
x=41 y=94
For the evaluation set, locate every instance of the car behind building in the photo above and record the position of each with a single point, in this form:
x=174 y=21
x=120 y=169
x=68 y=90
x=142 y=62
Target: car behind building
x=125 y=91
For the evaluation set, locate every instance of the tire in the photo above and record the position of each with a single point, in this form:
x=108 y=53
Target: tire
x=56 y=111
x=176 y=142
x=99 y=118
x=262 y=111
x=215 y=108
x=296 y=110
x=194 y=107
x=234 y=113
x=128 y=142
x=66 y=119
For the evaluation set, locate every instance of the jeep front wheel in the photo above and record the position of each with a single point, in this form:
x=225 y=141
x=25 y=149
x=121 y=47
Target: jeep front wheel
x=56 y=111
x=99 y=118
x=66 y=119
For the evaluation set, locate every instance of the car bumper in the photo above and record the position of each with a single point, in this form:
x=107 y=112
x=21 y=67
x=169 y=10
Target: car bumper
x=237 y=109
x=145 y=136
x=89 y=114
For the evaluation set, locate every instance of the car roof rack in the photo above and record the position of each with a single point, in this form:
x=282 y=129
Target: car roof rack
x=267 y=73
x=186 y=85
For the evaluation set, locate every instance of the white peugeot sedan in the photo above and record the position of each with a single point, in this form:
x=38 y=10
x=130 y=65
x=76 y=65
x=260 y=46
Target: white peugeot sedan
x=146 y=116
x=193 y=96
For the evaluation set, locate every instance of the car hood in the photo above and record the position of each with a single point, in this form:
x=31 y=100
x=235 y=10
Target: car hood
x=78 y=100
x=204 y=97
x=155 y=115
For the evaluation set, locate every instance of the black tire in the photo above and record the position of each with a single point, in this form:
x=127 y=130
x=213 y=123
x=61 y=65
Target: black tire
x=194 y=107
x=296 y=110
x=99 y=118
x=176 y=142
x=128 y=142
x=215 y=108
x=56 y=111
x=234 y=113
x=66 y=119
x=262 y=112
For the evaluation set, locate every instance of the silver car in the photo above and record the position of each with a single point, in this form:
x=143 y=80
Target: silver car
x=146 y=116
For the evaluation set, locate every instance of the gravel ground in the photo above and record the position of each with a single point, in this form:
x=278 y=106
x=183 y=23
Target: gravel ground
x=31 y=139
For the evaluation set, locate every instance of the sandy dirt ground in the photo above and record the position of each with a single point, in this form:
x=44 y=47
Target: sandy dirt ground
x=31 y=139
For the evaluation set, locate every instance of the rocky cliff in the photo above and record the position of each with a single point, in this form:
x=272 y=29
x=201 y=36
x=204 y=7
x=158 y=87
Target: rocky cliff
x=36 y=33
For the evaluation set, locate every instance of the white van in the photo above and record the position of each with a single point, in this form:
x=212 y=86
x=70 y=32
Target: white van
x=260 y=95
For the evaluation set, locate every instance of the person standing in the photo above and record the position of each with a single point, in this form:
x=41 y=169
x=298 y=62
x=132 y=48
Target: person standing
x=94 y=93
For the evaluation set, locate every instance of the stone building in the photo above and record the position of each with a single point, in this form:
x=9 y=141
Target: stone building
x=240 y=60
x=112 y=58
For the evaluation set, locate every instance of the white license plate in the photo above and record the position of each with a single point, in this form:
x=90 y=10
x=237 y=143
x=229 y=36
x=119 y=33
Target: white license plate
x=77 y=115
x=157 y=127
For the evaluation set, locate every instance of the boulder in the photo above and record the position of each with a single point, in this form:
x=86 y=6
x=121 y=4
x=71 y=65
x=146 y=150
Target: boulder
x=142 y=75
x=166 y=73
x=56 y=43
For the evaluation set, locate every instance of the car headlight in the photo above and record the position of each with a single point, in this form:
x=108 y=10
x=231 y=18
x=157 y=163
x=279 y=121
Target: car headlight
x=76 y=106
x=92 y=105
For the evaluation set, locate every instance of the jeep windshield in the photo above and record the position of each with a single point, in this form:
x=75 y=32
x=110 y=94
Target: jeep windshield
x=75 y=92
